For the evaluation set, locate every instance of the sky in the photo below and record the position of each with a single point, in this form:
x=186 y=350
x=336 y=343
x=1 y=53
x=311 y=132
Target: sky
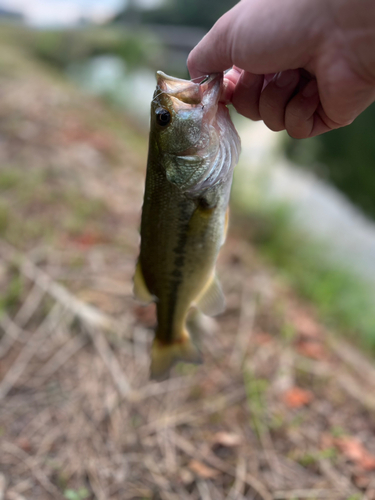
x=67 y=12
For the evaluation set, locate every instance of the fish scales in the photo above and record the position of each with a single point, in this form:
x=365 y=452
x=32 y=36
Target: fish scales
x=193 y=149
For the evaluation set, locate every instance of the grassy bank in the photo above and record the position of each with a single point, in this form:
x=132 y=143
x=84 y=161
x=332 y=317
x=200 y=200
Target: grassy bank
x=343 y=301
x=79 y=418
x=61 y=47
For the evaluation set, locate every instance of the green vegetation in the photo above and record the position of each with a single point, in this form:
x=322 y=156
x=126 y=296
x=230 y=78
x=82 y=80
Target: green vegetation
x=63 y=47
x=33 y=193
x=192 y=13
x=80 y=494
x=60 y=47
x=341 y=299
x=344 y=157
x=10 y=297
x=255 y=394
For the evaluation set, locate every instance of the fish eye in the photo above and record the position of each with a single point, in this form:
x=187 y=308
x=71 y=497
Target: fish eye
x=163 y=116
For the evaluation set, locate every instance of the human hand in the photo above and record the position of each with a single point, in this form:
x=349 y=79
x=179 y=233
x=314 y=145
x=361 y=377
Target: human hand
x=307 y=66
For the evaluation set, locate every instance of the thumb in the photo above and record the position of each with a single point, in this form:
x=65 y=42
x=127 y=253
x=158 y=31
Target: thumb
x=259 y=36
x=214 y=52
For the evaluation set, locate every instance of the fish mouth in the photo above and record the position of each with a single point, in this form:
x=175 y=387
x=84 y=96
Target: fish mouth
x=205 y=91
x=211 y=88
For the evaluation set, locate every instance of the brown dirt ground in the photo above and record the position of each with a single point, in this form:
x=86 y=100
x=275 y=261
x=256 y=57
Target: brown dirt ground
x=280 y=409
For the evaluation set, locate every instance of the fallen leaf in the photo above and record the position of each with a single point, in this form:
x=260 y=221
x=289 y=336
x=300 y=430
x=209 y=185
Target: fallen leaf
x=202 y=470
x=262 y=338
x=304 y=324
x=361 y=481
x=24 y=444
x=297 y=397
x=87 y=239
x=227 y=439
x=313 y=350
x=354 y=450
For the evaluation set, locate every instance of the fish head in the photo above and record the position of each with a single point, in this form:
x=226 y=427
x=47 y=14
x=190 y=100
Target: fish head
x=187 y=125
x=179 y=110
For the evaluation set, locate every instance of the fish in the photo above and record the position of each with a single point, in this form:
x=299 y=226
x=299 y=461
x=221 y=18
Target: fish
x=193 y=149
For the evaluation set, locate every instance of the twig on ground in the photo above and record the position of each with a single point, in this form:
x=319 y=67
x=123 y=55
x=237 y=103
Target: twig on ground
x=284 y=378
x=85 y=312
x=12 y=333
x=168 y=449
x=245 y=327
x=94 y=480
x=159 y=477
x=30 y=349
x=238 y=487
x=194 y=412
x=110 y=361
x=346 y=381
x=214 y=492
x=204 y=492
x=340 y=482
x=68 y=350
x=40 y=420
x=219 y=464
x=3 y=486
x=36 y=471
x=313 y=493
x=29 y=306
x=358 y=361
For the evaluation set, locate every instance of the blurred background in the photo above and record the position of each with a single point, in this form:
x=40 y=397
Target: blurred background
x=283 y=405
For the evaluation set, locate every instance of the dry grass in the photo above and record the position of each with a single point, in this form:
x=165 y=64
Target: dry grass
x=279 y=410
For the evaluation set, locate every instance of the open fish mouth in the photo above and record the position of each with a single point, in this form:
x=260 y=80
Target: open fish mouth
x=205 y=91
x=211 y=88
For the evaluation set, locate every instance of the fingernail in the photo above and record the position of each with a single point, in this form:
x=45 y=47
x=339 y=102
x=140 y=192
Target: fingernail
x=248 y=79
x=285 y=78
x=310 y=89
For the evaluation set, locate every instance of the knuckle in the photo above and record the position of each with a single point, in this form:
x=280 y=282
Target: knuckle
x=268 y=105
x=251 y=112
x=252 y=115
x=297 y=133
x=275 y=127
x=273 y=117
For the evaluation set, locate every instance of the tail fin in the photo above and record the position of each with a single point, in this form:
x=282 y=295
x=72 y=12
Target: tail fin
x=164 y=356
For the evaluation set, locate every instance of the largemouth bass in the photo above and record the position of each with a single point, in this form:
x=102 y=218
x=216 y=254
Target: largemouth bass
x=193 y=149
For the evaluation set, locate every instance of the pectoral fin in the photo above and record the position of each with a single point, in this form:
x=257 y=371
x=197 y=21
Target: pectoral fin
x=212 y=301
x=226 y=224
x=140 y=289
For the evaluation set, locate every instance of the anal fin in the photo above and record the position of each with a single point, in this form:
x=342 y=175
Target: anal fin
x=212 y=301
x=140 y=289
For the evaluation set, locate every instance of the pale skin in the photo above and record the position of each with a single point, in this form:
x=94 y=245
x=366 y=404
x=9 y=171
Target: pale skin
x=307 y=66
